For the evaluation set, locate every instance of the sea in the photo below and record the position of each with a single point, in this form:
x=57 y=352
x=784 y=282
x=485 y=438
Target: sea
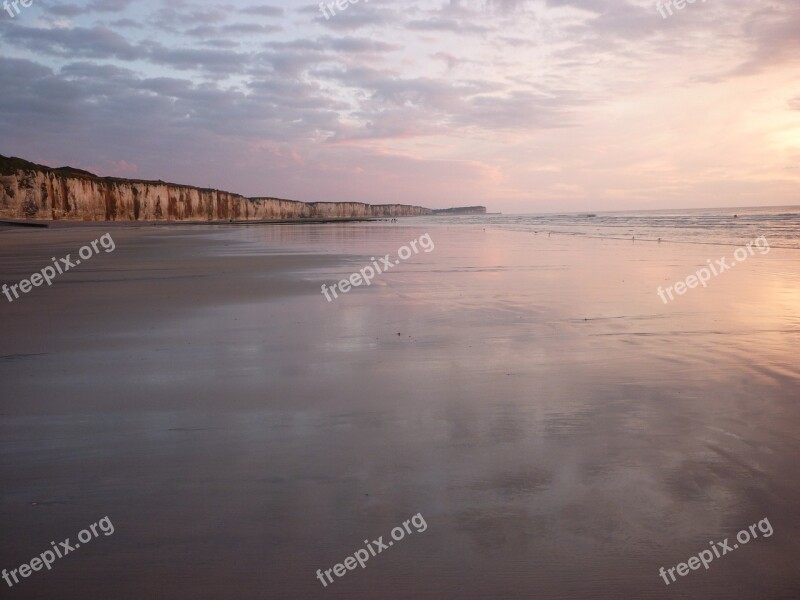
x=725 y=226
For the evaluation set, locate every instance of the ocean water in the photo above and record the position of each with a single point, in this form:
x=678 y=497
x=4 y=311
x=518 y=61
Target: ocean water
x=729 y=226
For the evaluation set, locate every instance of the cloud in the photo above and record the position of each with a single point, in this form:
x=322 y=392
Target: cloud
x=210 y=31
x=95 y=42
x=520 y=94
x=114 y=168
x=264 y=11
x=96 y=6
x=355 y=16
x=773 y=35
x=451 y=25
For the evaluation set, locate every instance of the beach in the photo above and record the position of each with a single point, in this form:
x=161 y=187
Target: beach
x=563 y=431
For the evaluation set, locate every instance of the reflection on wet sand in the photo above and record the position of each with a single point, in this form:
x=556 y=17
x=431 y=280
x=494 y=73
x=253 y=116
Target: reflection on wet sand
x=564 y=433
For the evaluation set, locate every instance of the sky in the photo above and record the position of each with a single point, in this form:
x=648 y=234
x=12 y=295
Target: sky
x=522 y=106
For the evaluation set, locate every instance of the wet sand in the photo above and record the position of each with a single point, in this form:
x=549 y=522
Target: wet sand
x=563 y=433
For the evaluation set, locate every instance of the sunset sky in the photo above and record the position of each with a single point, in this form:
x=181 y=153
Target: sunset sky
x=522 y=106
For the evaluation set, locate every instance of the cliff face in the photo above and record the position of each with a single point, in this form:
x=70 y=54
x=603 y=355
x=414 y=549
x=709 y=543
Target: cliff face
x=30 y=191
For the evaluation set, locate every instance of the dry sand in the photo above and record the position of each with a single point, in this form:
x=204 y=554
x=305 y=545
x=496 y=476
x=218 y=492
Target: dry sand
x=563 y=433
